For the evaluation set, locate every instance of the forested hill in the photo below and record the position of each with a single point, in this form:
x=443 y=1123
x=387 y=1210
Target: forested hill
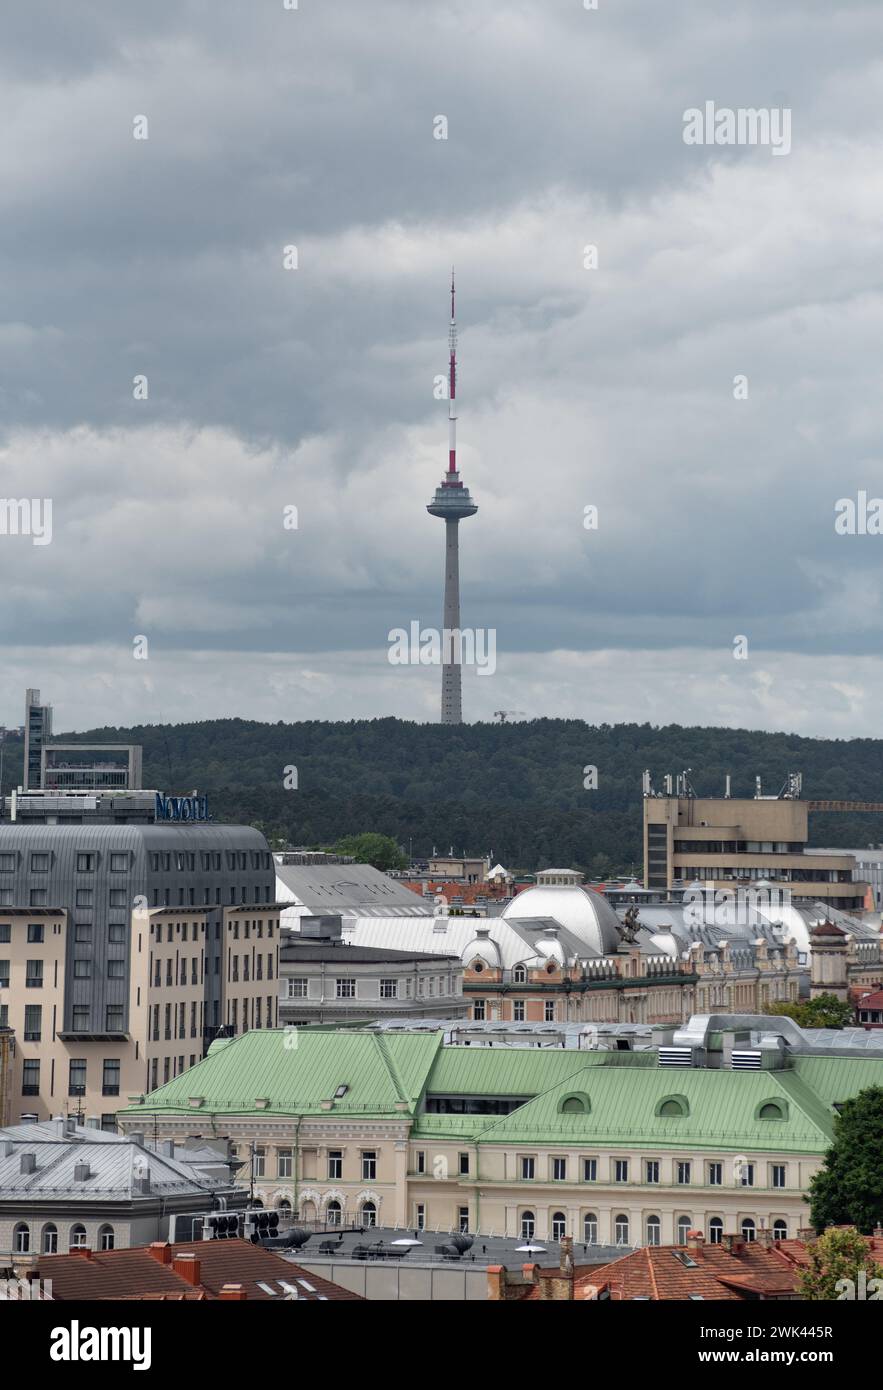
x=513 y=789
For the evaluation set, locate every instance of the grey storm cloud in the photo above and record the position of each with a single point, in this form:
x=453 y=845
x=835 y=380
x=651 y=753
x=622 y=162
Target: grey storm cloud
x=611 y=387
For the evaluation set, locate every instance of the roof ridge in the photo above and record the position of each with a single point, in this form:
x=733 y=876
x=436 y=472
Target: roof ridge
x=381 y=1041
x=653 y=1283
x=563 y=1081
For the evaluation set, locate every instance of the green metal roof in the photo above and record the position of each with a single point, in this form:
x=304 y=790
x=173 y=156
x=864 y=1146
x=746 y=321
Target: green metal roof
x=389 y=1073
x=379 y=1073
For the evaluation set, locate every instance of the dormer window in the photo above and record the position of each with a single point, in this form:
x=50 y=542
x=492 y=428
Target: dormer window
x=519 y=975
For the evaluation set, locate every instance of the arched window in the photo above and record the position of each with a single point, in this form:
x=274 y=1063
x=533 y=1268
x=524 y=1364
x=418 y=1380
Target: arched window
x=621 y=1229
x=772 y=1110
x=78 y=1237
x=654 y=1230
x=715 y=1231
x=284 y=1207
x=519 y=975
x=334 y=1214
x=590 y=1228
x=369 y=1214
x=685 y=1224
x=50 y=1239
x=673 y=1105
x=576 y=1104
x=559 y=1225
x=528 y=1225
x=748 y=1229
x=780 y=1230
x=308 y=1211
x=21 y=1238
x=105 y=1237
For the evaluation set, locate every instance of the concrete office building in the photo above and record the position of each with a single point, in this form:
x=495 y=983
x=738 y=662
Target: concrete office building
x=727 y=842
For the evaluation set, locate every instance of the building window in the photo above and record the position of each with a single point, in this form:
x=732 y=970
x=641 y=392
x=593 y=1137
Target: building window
x=77 y=1077
x=50 y=1239
x=30 y=1077
x=78 y=1237
x=654 y=1230
x=284 y=1163
x=109 y=1123
x=368 y=1214
x=549 y=1011
x=420 y=1216
x=85 y=863
x=715 y=1174
x=38 y=897
x=82 y=969
x=747 y=1174
x=34 y=974
x=82 y=1018
x=519 y=975
x=528 y=1168
x=652 y=1170
x=297 y=988
x=621 y=1230
x=748 y=1229
x=110 y=1083
x=335 y=1163
x=35 y=932
x=105 y=1237
x=21 y=1238
x=590 y=1228
x=389 y=989
x=119 y=863
x=83 y=932
x=464 y=1165
x=715 y=1231
x=84 y=897
x=780 y=1230
x=778 y=1175
x=369 y=1165
x=346 y=988
x=559 y=1169
x=590 y=1170
x=528 y=1225
x=4 y=974
x=479 y=1010
x=116 y=897
x=116 y=969
x=684 y=1225
x=7 y=863
x=621 y=1170
x=683 y=1173
x=33 y=1022
x=518 y=1010
x=559 y=1225
x=259 y=1156
x=333 y=1214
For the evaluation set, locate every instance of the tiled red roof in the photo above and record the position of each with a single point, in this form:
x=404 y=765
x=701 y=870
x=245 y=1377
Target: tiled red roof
x=660 y=1273
x=138 y=1273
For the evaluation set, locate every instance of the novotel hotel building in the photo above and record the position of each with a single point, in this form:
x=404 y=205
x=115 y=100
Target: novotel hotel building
x=133 y=930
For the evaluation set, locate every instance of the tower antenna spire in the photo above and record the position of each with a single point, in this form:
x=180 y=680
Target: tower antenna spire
x=452 y=386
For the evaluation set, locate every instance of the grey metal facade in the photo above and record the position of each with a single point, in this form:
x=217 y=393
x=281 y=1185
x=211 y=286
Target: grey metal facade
x=194 y=865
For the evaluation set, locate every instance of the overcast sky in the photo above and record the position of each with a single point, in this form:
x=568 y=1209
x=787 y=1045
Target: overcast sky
x=610 y=387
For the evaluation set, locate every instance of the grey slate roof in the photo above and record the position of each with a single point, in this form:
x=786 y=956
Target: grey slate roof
x=350 y=889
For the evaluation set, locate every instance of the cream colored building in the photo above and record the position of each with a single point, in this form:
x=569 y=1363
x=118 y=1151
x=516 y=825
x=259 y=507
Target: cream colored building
x=720 y=1129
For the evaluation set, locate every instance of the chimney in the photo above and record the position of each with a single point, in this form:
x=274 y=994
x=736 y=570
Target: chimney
x=168 y=1148
x=495 y=1283
x=28 y=1163
x=732 y=1244
x=161 y=1251
x=188 y=1267
x=764 y=1238
x=82 y=1172
x=565 y=1262
x=137 y=1138
x=695 y=1240
x=233 y=1293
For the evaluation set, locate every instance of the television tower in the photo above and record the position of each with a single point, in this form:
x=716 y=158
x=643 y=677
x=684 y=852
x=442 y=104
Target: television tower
x=452 y=502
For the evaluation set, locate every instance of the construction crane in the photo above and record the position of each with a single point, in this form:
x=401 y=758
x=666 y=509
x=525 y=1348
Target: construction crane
x=503 y=715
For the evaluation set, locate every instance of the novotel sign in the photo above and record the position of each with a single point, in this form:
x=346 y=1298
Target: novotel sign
x=181 y=807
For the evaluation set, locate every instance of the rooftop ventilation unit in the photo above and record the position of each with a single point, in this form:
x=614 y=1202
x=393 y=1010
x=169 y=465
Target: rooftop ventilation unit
x=676 y=1057
x=746 y=1061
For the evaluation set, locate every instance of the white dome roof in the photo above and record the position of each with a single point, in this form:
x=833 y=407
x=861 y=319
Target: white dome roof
x=587 y=915
x=484 y=947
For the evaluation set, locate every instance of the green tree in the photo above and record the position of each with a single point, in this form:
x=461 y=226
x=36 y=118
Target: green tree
x=836 y=1255
x=825 y=1011
x=848 y=1189
x=371 y=848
